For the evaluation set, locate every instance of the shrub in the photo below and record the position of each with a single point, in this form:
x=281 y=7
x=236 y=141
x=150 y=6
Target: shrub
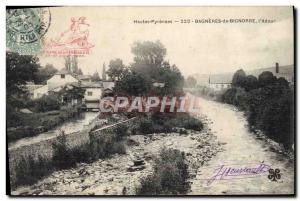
x=104 y=145
x=47 y=103
x=146 y=125
x=159 y=123
x=269 y=105
x=186 y=121
x=29 y=170
x=39 y=122
x=120 y=131
x=169 y=176
x=62 y=154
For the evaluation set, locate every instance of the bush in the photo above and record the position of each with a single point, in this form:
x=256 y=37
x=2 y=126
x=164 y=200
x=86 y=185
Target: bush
x=106 y=144
x=39 y=122
x=62 y=154
x=269 y=105
x=169 y=176
x=29 y=170
x=47 y=103
x=120 y=131
x=271 y=110
x=159 y=123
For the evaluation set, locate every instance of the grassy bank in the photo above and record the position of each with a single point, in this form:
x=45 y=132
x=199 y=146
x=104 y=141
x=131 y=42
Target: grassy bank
x=29 y=125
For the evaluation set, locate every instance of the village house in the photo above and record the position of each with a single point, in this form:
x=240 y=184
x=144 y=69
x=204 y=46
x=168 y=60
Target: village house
x=287 y=72
x=61 y=78
x=92 y=95
x=64 y=80
x=85 y=78
x=219 y=82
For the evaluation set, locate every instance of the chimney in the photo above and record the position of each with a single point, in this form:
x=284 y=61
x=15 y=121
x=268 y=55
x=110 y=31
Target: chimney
x=277 y=67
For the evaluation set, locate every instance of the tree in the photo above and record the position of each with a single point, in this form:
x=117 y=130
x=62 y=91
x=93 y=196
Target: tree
x=117 y=69
x=190 y=81
x=266 y=78
x=71 y=64
x=239 y=78
x=68 y=63
x=250 y=83
x=95 y=77
x=79 y=72
x=149 y=61
x=103 y=72
x=268 y=103
x=19 y=70
x=45 y=73
x=74 y=65
x=148 y=52
x=134 y=84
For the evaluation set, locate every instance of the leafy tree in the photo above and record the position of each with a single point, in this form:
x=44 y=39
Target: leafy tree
x=19 y=70
x=250 y=83
x=268 y=103
x=190 y=81
x=95 y=77
x=238 y=79
x=171 y=77
x=70 y=92
x=47 y=103
x=45 y=73
x=79 y=72
x=71 y=64
x=117 y=69
x=104 y=72
x=134 y=84
x=266 y=78
x=149 y=53
x=149 y=61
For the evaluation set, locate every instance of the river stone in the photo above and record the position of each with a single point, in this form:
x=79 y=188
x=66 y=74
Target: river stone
x=138 y=162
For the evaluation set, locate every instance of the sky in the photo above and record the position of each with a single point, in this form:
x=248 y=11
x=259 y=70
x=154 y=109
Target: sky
x=196 y=48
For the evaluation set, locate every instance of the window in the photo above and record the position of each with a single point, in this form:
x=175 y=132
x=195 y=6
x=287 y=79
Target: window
x=62 y=76
x=90 y=93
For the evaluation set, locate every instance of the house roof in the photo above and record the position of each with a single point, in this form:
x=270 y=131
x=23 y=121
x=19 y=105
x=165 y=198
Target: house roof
x=220 y=78
x=92 y=84
x=32 y=87
x=286 y=72
x=283 y=70
x=63 y=71
x=108 y=85
x=84 y=77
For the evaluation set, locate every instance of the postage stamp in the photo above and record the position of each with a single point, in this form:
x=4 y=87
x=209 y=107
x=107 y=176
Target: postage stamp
x=25 y=29
x=71 y=42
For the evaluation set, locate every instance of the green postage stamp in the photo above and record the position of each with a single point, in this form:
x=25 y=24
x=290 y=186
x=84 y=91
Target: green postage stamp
x=25 y=29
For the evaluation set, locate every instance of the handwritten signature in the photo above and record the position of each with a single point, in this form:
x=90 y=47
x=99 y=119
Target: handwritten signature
x=229 y=172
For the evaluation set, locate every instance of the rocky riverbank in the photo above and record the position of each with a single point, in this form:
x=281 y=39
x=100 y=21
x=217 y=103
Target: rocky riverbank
x=120 y=174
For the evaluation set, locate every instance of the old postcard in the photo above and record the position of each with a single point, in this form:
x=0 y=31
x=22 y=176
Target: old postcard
x=136 y=101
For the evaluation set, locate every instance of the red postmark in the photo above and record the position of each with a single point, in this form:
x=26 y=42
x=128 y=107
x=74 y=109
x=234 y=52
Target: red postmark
x=71 y=42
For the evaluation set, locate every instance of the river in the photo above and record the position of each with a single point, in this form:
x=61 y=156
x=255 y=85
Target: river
x=70 y=126
x=242 y=149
